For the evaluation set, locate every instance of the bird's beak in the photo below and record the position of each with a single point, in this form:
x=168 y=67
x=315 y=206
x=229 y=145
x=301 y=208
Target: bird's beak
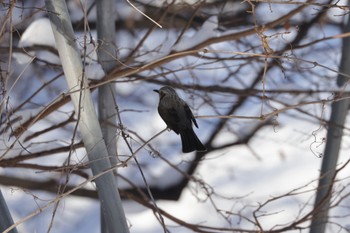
x=156 y=91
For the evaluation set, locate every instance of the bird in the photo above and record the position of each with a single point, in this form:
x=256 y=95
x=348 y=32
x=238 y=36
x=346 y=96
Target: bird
x=179 y=118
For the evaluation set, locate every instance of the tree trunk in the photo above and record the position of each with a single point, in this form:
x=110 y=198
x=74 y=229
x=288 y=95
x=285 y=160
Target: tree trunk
x=87 y=118
x=331 y=154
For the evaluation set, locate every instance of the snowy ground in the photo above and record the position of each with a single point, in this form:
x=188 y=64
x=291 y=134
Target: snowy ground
x=280 y=158
x=284 y=158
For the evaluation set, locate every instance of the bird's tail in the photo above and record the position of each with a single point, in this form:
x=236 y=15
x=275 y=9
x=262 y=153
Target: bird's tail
x=190 y=141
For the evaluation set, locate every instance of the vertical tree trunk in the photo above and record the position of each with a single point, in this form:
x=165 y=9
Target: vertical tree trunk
x=334 y=137
x=5 y=216
x=88 y=123
x=106 y=57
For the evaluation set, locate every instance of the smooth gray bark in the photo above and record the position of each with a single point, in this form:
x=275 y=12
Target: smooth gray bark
x=5 y=216
x=333 y=143
x=106 y=57
x=89 y=127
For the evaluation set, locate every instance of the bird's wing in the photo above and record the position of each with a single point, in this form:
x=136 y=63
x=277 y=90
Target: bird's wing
x=172 y=119
x=189 y=114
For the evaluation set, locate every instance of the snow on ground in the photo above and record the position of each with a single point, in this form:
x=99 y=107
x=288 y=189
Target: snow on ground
x=284 y=161
x=279 y=159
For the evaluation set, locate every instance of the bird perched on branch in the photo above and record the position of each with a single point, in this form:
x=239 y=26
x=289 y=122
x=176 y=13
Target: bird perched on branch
x=179 y=117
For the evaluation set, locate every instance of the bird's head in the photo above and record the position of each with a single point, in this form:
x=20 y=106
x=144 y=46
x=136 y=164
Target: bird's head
x=166 y=90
